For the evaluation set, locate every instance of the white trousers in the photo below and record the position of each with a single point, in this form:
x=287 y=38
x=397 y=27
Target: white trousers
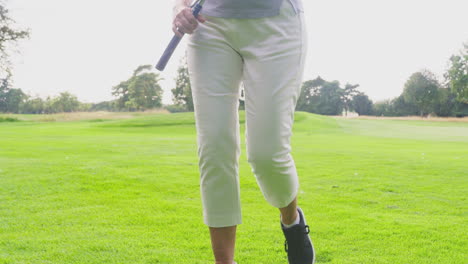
x=267 y=55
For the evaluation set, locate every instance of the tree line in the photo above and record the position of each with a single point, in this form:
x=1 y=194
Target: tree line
x=423 y=93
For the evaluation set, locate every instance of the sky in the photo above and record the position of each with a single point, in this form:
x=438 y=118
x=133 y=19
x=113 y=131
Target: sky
x=86 y=47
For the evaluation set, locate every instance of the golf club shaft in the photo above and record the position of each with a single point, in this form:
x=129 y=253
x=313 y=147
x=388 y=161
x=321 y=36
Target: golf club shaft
x=174 y=42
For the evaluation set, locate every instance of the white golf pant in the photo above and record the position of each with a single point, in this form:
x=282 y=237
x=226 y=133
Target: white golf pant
x=267 y=55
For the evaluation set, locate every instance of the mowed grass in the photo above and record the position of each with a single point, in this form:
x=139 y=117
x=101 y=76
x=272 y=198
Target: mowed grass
x=126 y=191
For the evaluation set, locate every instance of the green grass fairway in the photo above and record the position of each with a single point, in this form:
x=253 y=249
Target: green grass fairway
x=126 y=191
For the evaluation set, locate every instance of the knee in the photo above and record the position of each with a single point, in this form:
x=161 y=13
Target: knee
x=267 y=162
x=260 y=159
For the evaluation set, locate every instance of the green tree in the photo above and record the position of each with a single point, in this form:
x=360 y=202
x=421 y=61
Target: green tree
x=121 y=92
x=84 y=107
x=457 y=75
x=10 y=98
x=104 y=106
x=14 y=99
x=9 y=35
x=329 y=100
x=325 y=98
x=309 y=95
x=460 y=109
x=362 y=104
x=32 y=106
x=446 y=103
x=400 y=107
x=4 y=87
x=382 y=108
x=142 y=91
x=66 y=102
x=347 y=95
x=182 y=93
x=421 y=90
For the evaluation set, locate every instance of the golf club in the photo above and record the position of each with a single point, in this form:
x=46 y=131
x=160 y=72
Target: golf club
x=196 y=8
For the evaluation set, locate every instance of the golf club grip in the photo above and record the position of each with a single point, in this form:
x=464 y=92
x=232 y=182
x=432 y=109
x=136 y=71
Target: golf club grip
x=173 y=44
x=168 y=52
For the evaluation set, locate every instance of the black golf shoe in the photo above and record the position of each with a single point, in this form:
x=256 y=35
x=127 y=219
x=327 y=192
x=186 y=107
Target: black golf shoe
x=298 y=244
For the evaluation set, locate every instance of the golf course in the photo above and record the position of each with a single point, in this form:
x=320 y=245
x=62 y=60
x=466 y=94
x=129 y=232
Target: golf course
x=125 y=189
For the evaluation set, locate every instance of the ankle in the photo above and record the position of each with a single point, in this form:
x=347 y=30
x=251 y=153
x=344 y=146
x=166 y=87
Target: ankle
x=289 y=219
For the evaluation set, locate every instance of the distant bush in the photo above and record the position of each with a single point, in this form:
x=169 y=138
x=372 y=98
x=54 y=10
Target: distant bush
x=8 y=119
x=176 y=108
x=461 y=110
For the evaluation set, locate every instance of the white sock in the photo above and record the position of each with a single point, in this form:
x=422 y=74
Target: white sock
x=298 y=219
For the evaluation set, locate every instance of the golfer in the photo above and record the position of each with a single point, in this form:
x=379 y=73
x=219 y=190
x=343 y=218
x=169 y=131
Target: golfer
x=261 y=43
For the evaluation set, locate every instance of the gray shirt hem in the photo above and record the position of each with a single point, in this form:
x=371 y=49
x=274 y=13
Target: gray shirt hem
x=236 y=14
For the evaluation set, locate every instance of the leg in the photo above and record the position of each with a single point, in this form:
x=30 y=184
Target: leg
x=289 y=213
x=215 y=72
x=223 y=240
x=272 y=80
